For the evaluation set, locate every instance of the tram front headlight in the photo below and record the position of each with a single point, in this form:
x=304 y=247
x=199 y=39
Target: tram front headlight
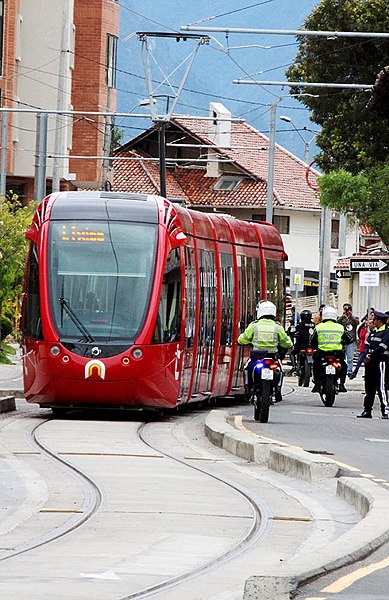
x=137 y=353
x=55 y=350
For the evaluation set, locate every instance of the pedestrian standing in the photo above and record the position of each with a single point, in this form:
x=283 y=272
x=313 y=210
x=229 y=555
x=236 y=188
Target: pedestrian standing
x=375 y=366
x=350 y=323
x=363 y=333
x=319 y=317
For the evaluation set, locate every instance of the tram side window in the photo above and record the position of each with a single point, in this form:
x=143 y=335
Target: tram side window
x=253 y=287
x=227 y=280
x=250 y=288
x=207 y=297
x=32 y=317
x=168 y=324
x=275 y=284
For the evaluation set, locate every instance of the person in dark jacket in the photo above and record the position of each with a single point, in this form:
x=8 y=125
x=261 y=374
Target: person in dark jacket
x=302 y=335
x=376 y=349
x=350 y=323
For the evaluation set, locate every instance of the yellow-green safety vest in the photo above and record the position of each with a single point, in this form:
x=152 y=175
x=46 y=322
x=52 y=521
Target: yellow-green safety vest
x=329 y=336
x=265 y=335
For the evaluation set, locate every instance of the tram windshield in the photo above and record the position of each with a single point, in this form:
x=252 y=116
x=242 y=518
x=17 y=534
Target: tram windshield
x=100 y=278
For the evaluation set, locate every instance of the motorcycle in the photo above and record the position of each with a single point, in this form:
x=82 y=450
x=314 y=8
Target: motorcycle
x=267 y=381
x=304 y=366
x=329 y=379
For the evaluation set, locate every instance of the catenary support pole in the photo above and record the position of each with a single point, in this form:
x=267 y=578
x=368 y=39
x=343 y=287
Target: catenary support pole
x=162 y=156
x=61 y=97
x=326 y=255
x=270 y=176
x=342 y=233
x=3 y=163
x=41 y=154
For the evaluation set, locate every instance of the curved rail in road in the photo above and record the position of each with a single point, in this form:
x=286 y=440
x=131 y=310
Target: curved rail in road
x=92 y=501
x=260 y=524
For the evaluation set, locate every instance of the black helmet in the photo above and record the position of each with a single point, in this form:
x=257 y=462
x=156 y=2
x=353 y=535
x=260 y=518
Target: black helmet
x=306 y=316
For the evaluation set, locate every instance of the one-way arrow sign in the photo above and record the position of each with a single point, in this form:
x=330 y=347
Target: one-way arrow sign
x=342 y=274
x=369 y=264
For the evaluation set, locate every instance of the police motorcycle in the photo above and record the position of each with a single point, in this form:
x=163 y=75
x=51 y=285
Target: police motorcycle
x=263 y=373
x=329 y=366
x=304 y=366
x=303 y=353
x=329 y=380
x=267 y=383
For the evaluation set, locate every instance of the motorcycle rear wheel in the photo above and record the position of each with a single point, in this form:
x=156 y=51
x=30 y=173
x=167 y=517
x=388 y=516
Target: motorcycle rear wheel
x=264 y=402
x=307 y=373
x=328 y=396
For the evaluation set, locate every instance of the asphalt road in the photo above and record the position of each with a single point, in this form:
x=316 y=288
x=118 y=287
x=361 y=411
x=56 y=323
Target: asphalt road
x=302 y=420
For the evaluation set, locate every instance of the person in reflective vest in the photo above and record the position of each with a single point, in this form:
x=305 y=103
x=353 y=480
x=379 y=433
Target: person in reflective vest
x=376 y=348
x=266 y=337
x=329 y=338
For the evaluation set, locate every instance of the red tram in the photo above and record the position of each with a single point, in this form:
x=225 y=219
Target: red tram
x=131 y=301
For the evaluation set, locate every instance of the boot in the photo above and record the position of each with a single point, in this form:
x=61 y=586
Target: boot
x=366 y=414
x=342 y=388
x=315 y=389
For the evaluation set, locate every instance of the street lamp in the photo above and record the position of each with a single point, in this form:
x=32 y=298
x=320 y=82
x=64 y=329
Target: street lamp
x=306 y=143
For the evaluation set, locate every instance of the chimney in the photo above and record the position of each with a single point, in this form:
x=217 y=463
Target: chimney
x=219 y=132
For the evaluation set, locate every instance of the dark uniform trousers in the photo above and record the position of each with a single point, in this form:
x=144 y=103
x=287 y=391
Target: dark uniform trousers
x=375 y=383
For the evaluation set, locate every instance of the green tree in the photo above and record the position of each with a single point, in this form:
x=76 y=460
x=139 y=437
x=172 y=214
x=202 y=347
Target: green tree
x=353 y=136
x=366 y=194
x=14 y=221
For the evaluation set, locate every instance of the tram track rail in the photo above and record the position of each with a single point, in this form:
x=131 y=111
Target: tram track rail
x=259 y=528
x=91 y=503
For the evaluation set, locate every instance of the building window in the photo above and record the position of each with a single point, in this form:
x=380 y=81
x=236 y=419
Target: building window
x=282 y=222
x=335 y=234
x=228 y=183
x=1 y=35
x=112 y=43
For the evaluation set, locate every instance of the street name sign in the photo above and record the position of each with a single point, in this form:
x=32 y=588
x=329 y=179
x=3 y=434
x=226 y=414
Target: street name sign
x=369 y=264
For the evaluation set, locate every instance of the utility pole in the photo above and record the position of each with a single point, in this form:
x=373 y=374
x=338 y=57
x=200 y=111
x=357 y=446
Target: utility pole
x=107 y=141
x=61 y=96
x=3 y=164
x=41 y=154
x=270 y=176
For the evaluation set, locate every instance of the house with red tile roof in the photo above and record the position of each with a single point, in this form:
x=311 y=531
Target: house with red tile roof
x=220 y=164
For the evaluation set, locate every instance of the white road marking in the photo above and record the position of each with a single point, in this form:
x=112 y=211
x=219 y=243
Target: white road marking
x=106 y=575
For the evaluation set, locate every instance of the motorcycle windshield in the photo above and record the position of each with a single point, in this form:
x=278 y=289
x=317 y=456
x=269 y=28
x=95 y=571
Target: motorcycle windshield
x=100 y=278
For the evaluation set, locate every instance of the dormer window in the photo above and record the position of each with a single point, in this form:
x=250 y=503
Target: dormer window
x=228 y=183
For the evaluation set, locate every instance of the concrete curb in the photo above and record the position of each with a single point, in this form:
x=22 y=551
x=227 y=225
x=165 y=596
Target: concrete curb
x=366 y=496
x=7 y=404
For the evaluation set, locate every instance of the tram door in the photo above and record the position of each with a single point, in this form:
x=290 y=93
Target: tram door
x=207 y=326
x=190 y=323
x=249 y=278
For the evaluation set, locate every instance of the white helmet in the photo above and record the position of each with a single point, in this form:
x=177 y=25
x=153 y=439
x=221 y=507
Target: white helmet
x=329 y=312
x=266 y=308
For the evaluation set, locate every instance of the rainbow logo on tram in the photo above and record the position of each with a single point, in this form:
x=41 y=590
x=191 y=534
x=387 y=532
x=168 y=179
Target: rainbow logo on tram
x=95 y=369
